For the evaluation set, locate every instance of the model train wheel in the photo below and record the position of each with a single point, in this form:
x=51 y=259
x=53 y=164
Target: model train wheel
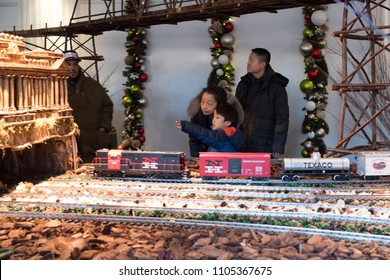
x=209 y=178
x=296 y=178
x=336 y=177
x=370 y=178
x=259 y=178
x=286 y=178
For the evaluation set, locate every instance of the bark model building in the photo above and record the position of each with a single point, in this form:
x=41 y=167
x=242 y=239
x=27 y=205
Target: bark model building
x=37 y=132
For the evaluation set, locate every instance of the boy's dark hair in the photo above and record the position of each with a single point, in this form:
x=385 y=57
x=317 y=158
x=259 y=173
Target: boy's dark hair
x=218 y=92
x=263 y=54
x=229 y=113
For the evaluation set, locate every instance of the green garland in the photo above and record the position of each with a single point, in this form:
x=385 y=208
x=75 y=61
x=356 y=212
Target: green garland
x=133 y=99
x=314 y=86
x=222 y=50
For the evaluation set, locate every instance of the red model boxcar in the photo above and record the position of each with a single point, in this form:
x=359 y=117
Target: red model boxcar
x=254 y=165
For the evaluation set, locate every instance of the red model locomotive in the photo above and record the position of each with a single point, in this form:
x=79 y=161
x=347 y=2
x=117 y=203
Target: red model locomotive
x=139 y=163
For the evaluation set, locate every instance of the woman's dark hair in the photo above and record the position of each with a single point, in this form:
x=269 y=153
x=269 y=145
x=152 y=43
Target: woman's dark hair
x=218 y=92
x=228 y=112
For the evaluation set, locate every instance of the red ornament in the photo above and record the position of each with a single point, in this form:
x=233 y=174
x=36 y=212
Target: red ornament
x=218 y=45
x=312 y=74
x=229 y=26
x=214 y=20
x=141 y=131
x=141 y=138
x=307 y=17
x=143 y=77
x=138 y=64
x=316 y=53
x=136 y=38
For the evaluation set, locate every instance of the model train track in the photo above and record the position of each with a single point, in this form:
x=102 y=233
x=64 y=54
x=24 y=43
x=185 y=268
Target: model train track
x=138 y=195
x=118 y=184
x=186 y=199
x=240 y=181
x=219 y=224
x=84 y=208
x=125 y=192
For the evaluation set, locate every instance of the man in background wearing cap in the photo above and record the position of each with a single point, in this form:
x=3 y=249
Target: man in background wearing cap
x=92 y=109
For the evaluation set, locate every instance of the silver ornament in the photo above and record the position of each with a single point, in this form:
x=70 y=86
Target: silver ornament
x=311 y=116
x=214 y=63
x=318 y=18
x=310 y=106
x=223 y=59
x=219 y=72
x=227 y=40
x=320 y=132
x=311 y=135
x=131 y=117
x=308 y=145
x=305 y=48
x=322 y=43
x=142 y=102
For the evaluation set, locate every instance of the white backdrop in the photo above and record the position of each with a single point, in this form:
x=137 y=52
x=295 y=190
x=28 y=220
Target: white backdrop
x=178 y=64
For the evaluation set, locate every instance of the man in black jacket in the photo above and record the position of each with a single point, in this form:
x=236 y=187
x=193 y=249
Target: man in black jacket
x=263 y=96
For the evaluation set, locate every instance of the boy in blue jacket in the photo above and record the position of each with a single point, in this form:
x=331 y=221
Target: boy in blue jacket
x=224 y=135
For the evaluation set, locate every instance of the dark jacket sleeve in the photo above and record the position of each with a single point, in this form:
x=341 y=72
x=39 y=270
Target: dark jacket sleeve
x=107 y=110
x=281 y=110
x=196 y=146
x=241 y=93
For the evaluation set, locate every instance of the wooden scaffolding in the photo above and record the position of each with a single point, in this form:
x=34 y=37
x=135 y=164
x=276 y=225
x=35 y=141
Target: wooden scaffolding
x=364 y=86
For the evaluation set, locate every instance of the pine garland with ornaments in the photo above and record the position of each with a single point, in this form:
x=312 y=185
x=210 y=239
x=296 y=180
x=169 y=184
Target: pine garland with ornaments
x=133 y=99
x=314 y=85
x=222 y=40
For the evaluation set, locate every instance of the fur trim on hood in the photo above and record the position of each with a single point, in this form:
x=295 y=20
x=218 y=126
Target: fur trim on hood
x=194 y=105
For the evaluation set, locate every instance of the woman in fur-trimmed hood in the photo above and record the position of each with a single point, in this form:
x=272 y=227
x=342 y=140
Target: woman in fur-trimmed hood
x=201 y=108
